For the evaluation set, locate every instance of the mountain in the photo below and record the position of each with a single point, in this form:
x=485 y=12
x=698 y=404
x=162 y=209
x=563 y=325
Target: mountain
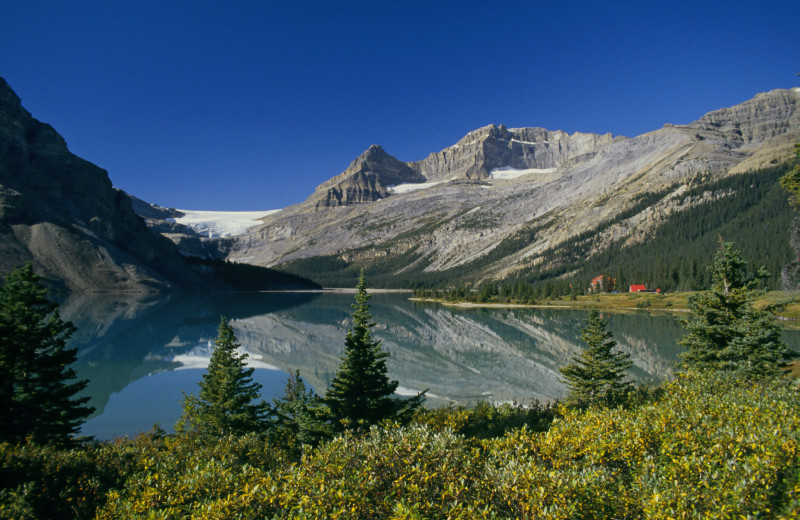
x=62 y=214
x=501 y=202
x=367 y=179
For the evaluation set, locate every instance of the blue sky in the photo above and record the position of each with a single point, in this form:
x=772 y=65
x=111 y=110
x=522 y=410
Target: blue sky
x=249 y=105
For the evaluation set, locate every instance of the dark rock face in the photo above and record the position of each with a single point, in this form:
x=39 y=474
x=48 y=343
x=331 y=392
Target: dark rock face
x=61 y=213
x=153 y=211
x=365 y=180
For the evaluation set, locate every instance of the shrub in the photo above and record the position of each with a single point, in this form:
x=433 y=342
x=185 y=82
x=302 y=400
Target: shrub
x=195 y=477
x=713 y=447
x=409 y=472
x=486 y=420
x=52 y=482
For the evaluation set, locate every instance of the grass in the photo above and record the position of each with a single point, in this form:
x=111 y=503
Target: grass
x=794 y=370
x=787 y=303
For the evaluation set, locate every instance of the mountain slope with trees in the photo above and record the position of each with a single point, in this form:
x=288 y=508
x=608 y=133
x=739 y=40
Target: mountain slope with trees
x=750 y=209
x=529 y=204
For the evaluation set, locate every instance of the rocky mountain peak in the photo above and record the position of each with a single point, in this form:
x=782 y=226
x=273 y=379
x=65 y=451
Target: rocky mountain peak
x=767 y=115
x=367 y=179
x=481 y=151
x=484 y=132
x=371 y=158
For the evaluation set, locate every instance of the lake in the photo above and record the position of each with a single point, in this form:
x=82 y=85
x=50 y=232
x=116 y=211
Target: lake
x=141 y=353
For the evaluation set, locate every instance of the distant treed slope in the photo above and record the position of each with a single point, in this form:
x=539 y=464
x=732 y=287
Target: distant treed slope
x=246 y=277
x=750 y=209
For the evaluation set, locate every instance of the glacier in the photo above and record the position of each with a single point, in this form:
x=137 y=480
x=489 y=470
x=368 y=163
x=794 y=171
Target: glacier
x=217 y=224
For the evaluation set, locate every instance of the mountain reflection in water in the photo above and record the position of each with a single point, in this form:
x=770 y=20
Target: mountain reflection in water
x=141 y=352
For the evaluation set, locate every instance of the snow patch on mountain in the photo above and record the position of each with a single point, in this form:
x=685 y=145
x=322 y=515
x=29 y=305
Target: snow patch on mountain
x=405 y=188
x=216 y=224
x=507 y=172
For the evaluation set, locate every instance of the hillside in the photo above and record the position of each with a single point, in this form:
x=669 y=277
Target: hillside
x=529 y=203
x=62 y=214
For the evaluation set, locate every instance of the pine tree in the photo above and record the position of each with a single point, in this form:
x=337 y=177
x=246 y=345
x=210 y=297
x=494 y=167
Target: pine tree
x=226 y=403
x=726 y=332
x=596 y=377
x=298 y=416
x=37 y=387
x=361 y=394
x=790 y=274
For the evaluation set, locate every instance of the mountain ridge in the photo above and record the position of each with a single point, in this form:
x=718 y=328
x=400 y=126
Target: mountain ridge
x=576 y=181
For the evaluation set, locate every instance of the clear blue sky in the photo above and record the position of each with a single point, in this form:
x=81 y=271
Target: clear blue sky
x=248 y=105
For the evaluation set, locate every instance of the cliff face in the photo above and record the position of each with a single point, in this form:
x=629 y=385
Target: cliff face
x=61 y=213
x=493 y=147
x=766 y=116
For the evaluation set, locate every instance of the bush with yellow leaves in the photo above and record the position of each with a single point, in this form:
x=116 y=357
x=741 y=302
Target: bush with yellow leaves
x=713 y=446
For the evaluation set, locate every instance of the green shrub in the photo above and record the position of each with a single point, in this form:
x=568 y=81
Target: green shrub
x=194 y=476
x=486 y=420
x=409 y=472
x=51 y=482
x=712 y=447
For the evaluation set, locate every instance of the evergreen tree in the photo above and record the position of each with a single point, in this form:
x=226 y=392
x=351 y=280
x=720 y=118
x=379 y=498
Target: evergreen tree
x=361 y=394
x=596 y=377
x=298 y=416
x=791 y=181
x=726 y=331
x=790 y=274
x=37 y=387
x=226 y=402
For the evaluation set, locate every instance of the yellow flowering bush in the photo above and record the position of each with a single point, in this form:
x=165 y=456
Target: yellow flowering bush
x=409 y=472
x=713 y=447
x=708 y=447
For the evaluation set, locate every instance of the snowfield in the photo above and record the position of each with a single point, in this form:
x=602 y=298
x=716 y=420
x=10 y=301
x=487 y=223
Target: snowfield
x=507 y=172
x=405 y=188
x=215 y=224
x=503 y=173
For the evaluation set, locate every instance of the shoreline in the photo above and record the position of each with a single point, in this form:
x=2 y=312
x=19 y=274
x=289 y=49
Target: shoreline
x=788 y=303
x=340 y=290
x=559 y=305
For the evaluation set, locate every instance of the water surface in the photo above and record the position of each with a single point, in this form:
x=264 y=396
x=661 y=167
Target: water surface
x=141 y=353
